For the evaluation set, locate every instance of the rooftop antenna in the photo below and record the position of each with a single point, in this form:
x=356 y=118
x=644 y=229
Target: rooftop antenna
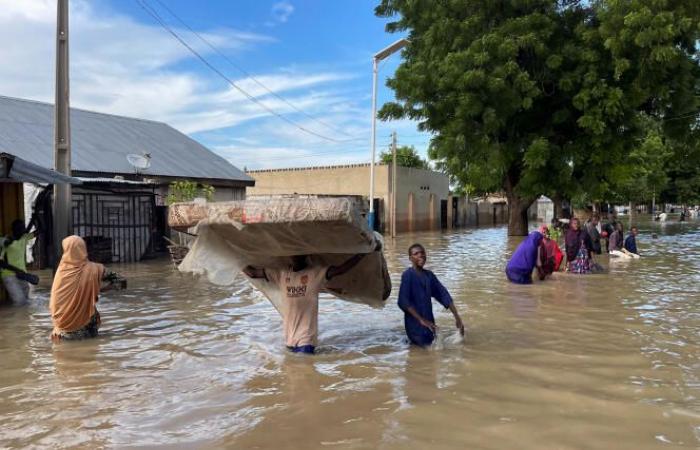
x=139 y=162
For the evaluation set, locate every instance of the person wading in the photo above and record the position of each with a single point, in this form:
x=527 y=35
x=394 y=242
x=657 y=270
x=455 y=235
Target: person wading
x=631 y=241
x=74 y=293
x=13 y=261
x=300 y=285
x=418 y=287
x=525 y=259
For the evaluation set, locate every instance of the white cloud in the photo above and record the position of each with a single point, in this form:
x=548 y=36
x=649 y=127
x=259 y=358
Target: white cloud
x=281 y=11
x=263 y=157
x=122 y=66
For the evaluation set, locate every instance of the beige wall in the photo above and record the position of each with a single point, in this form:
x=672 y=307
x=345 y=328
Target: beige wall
x=354 y=180
x=340 y=180
x=422 y=185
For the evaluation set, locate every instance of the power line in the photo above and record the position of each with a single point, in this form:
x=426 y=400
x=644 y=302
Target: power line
x=248 y=74
x=150 y=11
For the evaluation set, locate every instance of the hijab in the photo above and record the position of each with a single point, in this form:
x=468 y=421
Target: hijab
x=75 y=288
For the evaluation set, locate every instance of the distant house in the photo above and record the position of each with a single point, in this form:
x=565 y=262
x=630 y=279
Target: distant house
x=117 y=204
x=421 y=195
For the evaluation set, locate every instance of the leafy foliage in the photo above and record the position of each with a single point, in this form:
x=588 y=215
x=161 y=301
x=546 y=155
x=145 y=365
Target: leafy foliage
x=186 y=191
x=563 y=98
x=405 y=157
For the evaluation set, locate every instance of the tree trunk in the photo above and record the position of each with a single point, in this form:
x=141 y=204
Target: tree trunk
x=517 y=205
x=517 y=215
x=632 y=212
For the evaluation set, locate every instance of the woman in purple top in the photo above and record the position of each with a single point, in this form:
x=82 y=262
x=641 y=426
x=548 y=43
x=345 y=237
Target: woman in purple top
x=519 y=268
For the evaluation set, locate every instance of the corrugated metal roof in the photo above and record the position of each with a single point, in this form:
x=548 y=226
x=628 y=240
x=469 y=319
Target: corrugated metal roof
x=100 y=143
x=15 y=169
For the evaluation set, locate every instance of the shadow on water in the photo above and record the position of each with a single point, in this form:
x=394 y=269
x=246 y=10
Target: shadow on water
x=599 y=361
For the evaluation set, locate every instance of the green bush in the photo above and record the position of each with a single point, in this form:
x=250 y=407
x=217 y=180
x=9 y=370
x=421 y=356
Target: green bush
x=186 y=191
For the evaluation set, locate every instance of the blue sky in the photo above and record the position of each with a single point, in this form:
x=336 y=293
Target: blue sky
x=315 y=54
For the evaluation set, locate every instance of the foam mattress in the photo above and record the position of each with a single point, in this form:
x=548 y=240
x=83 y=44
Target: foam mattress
x=265 y=232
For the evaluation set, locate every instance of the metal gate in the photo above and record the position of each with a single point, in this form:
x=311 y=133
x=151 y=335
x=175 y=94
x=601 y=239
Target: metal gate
x=126 y=220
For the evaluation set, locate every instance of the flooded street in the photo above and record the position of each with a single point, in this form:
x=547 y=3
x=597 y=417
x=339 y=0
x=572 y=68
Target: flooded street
x=577 y=362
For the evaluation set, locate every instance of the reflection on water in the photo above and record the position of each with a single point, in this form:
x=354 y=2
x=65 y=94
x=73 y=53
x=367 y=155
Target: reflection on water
x=597 y=361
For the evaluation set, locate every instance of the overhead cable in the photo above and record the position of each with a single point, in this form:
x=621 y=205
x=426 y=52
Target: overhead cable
x=248 y=74
x=154 y=14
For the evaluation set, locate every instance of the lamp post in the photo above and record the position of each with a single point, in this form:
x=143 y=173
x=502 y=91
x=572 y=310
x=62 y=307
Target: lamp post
x=379 y=56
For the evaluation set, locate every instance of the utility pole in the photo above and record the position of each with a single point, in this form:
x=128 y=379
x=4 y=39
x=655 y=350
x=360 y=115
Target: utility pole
x=62 y=201
x=393 y=185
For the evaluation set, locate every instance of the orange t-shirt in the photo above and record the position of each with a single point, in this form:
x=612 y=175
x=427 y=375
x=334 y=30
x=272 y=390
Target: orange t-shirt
x=300 y=294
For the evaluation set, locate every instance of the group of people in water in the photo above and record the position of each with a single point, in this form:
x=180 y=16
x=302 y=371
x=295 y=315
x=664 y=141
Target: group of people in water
x=78 y=281
x=541 y=252
x=76 y=285
x=301 y=283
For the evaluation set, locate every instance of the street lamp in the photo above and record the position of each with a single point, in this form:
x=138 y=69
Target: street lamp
x=379 y=56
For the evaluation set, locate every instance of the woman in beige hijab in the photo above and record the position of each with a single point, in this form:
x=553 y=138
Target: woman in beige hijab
x=74 y=293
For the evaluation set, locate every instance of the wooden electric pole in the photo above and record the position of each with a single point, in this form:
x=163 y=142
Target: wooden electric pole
x=62 y=202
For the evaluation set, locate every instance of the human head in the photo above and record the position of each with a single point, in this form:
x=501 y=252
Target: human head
x=544 y=231
x=18 y=228
x=634 y=231
x=417 y=256
x=595 y=218
x=574 y=224
x=74 y=251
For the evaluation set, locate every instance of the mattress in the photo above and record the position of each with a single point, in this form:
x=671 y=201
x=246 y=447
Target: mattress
x=265 y=232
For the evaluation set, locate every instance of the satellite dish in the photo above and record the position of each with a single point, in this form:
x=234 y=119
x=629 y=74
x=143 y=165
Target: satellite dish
x=139 y=162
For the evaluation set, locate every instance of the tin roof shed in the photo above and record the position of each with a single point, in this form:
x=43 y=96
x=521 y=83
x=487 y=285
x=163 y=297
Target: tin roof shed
x=100 y=143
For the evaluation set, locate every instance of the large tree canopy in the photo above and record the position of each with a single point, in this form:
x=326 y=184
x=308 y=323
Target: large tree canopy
x=547 y=96
x=406 y=156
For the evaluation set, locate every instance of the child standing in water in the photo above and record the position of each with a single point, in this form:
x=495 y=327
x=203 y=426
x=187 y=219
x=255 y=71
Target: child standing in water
x=418 y=287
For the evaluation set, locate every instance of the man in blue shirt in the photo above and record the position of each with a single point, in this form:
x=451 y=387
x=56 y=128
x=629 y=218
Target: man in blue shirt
x=418 y=287
x=631 y=241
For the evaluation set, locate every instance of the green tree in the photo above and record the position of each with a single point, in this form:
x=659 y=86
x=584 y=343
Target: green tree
x=683 y=171
x=542 y=96
x=406 y=156
x=643 y=173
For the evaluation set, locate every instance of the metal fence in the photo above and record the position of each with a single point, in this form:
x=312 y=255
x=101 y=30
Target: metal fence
x=118 y=227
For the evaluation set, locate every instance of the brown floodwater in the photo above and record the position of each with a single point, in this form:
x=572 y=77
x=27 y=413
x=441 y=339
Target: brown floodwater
x=576 y=362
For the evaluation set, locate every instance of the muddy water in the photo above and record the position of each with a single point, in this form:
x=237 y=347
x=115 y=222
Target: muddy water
x=597 y=361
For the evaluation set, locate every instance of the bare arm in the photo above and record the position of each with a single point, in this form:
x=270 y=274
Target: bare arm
x=254 y=272
x=426 y=323
x=458 y=320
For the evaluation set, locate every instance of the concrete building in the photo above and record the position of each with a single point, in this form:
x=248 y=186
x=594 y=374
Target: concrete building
x=421 y=195
x=116 y=202
x=541 y=210
x=480 y=211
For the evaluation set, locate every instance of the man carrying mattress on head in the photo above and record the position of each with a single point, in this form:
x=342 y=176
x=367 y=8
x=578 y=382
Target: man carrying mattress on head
x=300 y=285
